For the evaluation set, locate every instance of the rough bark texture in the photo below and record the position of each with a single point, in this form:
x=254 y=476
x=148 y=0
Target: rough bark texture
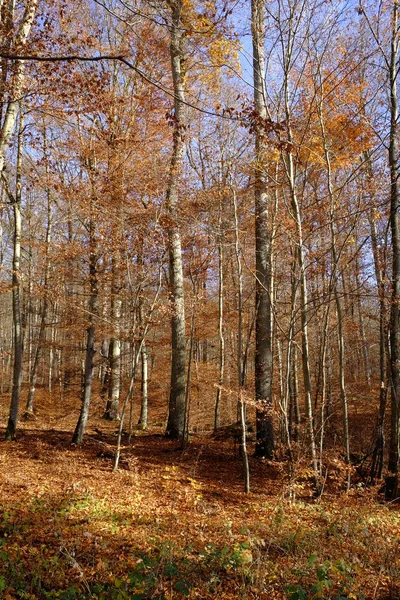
x=263 y=351
x=176 y=409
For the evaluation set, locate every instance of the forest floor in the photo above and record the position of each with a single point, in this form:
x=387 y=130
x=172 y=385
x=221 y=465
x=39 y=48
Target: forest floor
x=175 y=523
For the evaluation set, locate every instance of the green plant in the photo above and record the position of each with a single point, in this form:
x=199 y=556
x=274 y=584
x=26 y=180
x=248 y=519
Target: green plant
x=330 y=580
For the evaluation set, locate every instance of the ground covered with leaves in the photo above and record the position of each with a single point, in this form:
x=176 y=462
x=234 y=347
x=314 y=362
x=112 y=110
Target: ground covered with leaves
x=175 y=523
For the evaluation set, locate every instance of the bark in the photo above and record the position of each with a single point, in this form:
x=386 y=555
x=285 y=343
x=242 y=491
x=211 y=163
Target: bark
x=263 y=327
x=16 y=296
x=135 y=361
x=176 y=409
x=339 y=310
x=292 y=404
x=392 y=483
x=77 y=438
x=303 y=313
x=294 y=408
x=9 y=115
x=241 y=407
x=115 y=345
x=144 y=391
x=11 y=111
x=384 y=366
x=221 y=336
x=185 y=434
x=45 y=309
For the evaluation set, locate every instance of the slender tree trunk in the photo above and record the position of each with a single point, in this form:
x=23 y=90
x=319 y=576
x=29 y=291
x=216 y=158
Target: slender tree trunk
x=217 y=412
x=144 y=390
x=11 y=111
x=135 y=361
x=176 y=412
x=185 y=435
x=335 y=289
x=295 y=414
x=323 y=383
x=115 y=345
x=263 y=348
x=303 y=314
x=377 y=461
x=52 y=356
x=45 y=306
x=77 y=438
x=16 y=296
x=364 y=345
x=291 y=361
x=9 y=114
x=241 y=407
x=392 y=483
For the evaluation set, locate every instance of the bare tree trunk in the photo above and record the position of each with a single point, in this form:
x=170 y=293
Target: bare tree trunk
x=144 y=391
x=294 y=409
x=377 y=461
x=52 y=356
x=16 y=295
x=323 y=383
x=221 y=336
x=303 y=313
x=241 y=404
x=292 y=402
x=392 y=480
x=335 y=269
x=185 y=434
x=115 y=345
x=263 y=348
x=77 y=438
x=135 y=361
x=10 y=113
x=45 y=306
x=176 y=412
x=364 y=345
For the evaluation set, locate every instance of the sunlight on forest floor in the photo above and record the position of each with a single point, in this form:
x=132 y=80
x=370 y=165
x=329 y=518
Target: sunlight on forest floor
x=175 y=523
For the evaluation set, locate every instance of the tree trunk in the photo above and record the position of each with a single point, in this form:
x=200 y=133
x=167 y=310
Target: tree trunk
x=115 y=346
x=217 y=412
x=335 y=269
x=144 y=391
x=241 y=407
x=16 y=296
x=45 y=307
x=377 y=461
x=263 y=347
x=392 y=483
x=77 y=438
x=176 y=409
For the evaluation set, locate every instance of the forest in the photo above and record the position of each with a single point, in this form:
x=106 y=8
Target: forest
x=199 y=299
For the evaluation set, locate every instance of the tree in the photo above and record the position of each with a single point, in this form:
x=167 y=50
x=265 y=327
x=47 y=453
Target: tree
x=263 y=327
x=176 y=409
x=10 y=95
